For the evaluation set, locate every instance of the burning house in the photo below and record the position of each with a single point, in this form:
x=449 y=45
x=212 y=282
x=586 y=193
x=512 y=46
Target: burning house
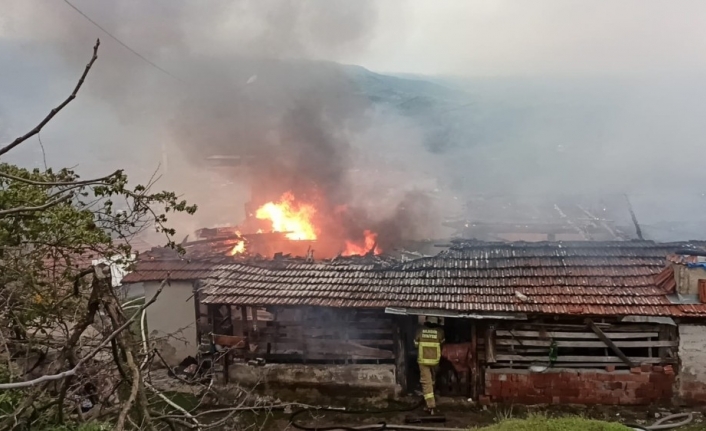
x=576 y=322
x=282 y=227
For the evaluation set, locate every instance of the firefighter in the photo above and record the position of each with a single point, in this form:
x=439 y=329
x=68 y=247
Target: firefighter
x=428 y=341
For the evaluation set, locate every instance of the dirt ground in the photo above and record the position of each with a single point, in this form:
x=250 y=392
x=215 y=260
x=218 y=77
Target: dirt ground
x=459 y=413
x=470 y=416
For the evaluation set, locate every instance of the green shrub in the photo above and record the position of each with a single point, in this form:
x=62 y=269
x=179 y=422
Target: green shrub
x=542 y=423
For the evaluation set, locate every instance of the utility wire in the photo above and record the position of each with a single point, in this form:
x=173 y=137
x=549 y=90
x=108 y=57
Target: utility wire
x=120 y=42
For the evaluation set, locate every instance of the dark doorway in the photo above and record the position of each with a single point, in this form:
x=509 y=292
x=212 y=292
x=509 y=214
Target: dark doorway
x=454 y=380
x=449 y=381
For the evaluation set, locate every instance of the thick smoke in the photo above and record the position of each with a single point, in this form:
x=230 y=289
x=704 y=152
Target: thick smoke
x=244 y=79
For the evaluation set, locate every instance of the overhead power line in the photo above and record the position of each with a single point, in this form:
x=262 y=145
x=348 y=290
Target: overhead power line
x=121 y=42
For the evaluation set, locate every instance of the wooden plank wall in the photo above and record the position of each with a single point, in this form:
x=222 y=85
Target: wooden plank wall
x=521 y=345
x=326 y=335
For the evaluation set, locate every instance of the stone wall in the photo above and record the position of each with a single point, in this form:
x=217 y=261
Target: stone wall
x=639 y=386
x=692 y=353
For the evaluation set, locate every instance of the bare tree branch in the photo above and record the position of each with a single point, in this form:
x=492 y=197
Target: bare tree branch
x=56 y=110
x=44 y=153
x=37 y=208
x=91 y=354
x=61 y=183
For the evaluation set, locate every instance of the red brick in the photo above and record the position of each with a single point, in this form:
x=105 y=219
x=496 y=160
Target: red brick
x=610 y=368
x=658 y=369
x=643 y=392
x=636 y=370
x=570 y=392
x=627 y=400
x=646 y=368
x=668 y=369
x=484 y=400
x=588 y=376
x=601 y=395
x=568 y=376
x=542 y=383
x=631 y=386
x=603 y=377
x=642 y=378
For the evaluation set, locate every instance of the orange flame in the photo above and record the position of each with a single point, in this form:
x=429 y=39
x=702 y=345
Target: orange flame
x=289 y=216
x=238 y=248
x=353 y=249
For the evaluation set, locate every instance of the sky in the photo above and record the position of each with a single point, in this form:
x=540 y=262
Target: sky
x=452 y=37
x=590 y=95
x=555 y=37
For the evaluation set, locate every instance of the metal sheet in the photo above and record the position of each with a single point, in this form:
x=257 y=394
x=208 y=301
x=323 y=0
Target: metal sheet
x=461 y=315
x=649 y=319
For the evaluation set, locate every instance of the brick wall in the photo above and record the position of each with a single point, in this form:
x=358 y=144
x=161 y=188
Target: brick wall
x=639 y=386
x=692 y=353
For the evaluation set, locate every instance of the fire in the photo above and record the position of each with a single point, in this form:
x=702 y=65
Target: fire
x=286 y=215
x=238 y=248
x=297 y=220
x=369 y=243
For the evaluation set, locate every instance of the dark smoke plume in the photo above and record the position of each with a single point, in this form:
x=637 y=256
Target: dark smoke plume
x=249 y=82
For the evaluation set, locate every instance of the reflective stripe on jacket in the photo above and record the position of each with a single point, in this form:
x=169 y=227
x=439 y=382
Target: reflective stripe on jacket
x=428 y=341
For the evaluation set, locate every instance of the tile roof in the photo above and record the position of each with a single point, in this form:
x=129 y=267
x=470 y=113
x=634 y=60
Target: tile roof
x=202 y=259
x=591 y=278
x=178 y=270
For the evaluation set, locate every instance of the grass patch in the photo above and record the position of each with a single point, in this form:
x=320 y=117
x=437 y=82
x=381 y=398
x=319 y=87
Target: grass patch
x=186 y=401
x=543 y=423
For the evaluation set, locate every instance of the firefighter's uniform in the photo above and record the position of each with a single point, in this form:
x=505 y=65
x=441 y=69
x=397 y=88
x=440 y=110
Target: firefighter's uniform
x=428 y=342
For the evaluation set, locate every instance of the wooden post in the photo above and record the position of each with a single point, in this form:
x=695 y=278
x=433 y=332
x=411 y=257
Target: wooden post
x=302 y=335
x=474 y=360
x=253 y=312
x=211 y=311
x=663 y=336
x=229 y=319
x=229 y=354
x=245 y=331
x=244 y=317
x=350 y=320
x=490 y=344
x=400 y=352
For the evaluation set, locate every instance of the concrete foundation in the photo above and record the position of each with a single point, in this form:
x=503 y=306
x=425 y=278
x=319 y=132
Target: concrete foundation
x=316 y=383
